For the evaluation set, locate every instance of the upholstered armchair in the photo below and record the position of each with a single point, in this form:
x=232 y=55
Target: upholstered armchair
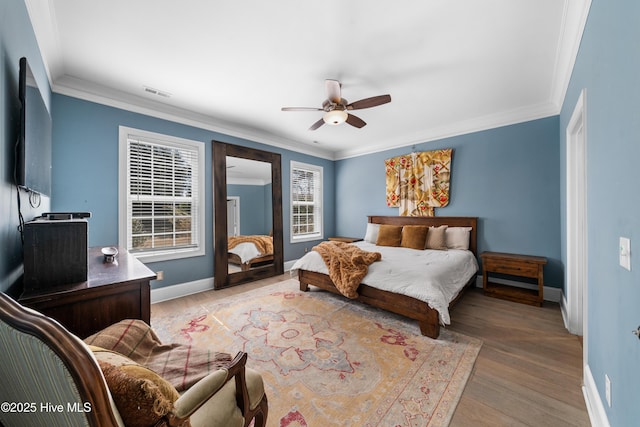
x=50 y=377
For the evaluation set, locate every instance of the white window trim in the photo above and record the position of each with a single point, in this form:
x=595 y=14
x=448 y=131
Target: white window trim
x=320 y=234
x=169 y=254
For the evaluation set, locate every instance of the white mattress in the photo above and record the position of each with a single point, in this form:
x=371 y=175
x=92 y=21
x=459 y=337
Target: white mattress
x=246 y=251
x=435 y=277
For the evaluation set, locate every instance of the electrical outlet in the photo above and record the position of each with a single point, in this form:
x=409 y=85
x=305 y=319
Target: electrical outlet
x=607 y=385
x=160 y=275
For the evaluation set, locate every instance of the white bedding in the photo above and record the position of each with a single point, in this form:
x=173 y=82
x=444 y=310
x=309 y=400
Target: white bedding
x=246 y=251
x=433 y=276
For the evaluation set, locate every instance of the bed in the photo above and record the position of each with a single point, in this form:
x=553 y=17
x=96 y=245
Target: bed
x=403 y=299
x=250 y=251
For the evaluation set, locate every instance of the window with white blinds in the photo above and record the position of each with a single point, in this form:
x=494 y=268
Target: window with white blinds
x=306 y=202
x=161 y=195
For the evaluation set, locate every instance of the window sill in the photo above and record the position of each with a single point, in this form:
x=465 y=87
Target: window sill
x=167 y=255
x=315 y=237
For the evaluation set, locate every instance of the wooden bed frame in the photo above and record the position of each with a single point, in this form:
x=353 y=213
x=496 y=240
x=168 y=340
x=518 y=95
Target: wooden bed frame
x=246 y=266
x=428 y=318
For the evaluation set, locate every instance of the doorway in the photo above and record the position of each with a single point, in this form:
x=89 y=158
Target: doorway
x=576 y=197
x=233 y=216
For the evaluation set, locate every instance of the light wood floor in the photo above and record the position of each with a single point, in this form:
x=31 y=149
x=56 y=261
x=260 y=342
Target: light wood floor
x=528 y=372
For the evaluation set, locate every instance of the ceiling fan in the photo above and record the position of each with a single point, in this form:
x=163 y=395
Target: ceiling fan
x=336 y=107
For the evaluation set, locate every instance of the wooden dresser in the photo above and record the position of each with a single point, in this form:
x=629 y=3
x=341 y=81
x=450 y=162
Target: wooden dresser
x=112 y=292
x=513 y=265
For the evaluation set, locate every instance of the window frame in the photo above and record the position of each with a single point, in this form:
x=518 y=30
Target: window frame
x=318 y=233
x=198 y=223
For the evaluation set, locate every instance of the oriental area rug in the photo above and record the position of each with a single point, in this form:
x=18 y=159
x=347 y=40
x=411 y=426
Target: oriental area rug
x=328 y=361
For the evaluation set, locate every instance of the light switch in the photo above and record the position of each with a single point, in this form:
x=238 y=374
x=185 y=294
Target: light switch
x=625 y=253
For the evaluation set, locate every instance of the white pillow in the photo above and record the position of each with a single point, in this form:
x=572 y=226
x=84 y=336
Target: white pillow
x=458 y=237
x=371 y=236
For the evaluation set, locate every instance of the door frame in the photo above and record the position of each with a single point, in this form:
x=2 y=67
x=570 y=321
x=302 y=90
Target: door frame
x=576 y=220
x=236 y=212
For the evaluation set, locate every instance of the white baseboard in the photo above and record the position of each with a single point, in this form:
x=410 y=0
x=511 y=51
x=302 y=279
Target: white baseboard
x=288 y=265
x=564 y=311
x=189 y=288
x=550 y=293
x=595 y=408
x=181 y=290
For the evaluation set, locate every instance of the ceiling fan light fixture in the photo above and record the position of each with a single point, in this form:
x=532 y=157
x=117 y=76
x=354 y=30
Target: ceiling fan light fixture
x=335 y=117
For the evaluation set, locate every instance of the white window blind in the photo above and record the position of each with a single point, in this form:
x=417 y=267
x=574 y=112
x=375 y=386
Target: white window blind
x=306 y=202
x=162 y=195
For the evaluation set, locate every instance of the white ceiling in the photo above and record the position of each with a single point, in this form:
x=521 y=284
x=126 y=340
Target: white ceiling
x=450 y=66
x=247 y=172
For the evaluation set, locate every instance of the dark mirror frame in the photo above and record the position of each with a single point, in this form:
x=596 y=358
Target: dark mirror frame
x=222 y=278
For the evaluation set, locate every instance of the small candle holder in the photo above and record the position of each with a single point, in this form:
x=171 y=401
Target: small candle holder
x=110 y=254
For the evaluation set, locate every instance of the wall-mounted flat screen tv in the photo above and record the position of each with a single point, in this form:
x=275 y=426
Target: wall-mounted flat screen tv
x=33 y=150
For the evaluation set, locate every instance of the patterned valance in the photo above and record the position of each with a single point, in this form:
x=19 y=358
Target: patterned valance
x=419 y=182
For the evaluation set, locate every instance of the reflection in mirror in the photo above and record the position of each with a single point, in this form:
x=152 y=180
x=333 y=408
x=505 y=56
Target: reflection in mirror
x=249 y=214
x=247 y=198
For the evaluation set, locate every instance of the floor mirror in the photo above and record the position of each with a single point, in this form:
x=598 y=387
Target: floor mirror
x=247 y=199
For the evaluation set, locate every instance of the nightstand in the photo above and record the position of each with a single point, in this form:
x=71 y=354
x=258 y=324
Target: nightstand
x=513 y=265
x=346 y=239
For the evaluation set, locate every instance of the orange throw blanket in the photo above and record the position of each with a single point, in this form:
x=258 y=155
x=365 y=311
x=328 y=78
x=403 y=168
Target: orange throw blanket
x=347 y=264
x=263 y=243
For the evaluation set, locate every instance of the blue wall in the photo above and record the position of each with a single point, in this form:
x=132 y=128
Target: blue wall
x=255 y=207
x=17 y=39
x=608 y=67
x=85 y=177
x=507 y=177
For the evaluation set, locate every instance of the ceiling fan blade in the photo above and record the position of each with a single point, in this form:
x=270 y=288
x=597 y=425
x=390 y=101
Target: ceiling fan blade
x=317 y=124
x=374 y=101
x=355 y=121
x=301 y=109
x=334 y=93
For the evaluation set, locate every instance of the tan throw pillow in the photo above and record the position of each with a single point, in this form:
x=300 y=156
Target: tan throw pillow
x=389 y=235
x=142 y=396
x=414 y=236
x=139 y=401
x=458 y=237
x=371 y=235
x=436 y=238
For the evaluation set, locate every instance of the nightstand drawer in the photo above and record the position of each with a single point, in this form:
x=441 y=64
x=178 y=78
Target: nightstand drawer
x=522 y=269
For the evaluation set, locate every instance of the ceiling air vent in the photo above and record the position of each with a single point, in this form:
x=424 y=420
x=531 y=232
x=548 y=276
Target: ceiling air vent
x=157 y=92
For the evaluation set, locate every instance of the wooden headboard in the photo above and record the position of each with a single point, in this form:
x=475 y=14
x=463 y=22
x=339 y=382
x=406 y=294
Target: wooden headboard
x=434 y=221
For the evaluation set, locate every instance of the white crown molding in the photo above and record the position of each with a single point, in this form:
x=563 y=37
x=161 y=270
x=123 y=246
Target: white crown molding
x=42 y=15
x=462 y=128
x=574 y=20
x=81 y=89
x=88 y=91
